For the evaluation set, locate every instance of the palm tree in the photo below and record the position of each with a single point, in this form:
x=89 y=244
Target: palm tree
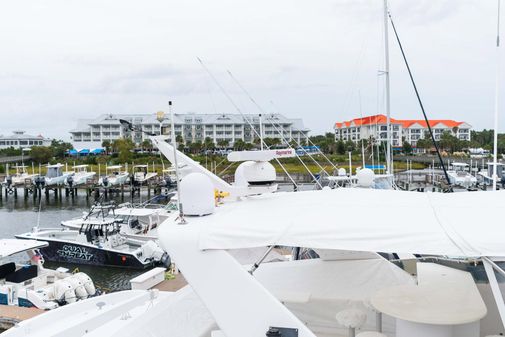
x=208 y=144
x=239 y=145
x=147 y=145
x=223 y=143
x=106 y=145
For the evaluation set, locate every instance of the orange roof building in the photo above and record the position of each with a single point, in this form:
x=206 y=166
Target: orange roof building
x=375 y=127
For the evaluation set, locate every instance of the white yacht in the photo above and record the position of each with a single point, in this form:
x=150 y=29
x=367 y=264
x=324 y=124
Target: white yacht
x=29 y=284
x=459 y=175
x=80 y=176
x=55 y=175
x=114 y=177
x=346 y=290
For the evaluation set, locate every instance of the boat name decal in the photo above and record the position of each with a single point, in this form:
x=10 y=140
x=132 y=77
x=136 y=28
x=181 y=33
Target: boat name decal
x=75 y=252
x=283 y=152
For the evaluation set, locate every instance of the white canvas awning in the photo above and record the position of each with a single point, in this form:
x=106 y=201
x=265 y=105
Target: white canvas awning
x=454 y=224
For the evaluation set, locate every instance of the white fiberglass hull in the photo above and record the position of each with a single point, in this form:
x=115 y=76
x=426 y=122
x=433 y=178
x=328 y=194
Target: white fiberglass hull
x=57 y=181
x=116 y=180
x=80 y=178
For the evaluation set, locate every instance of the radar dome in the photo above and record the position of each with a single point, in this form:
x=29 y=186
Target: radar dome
x=365 y=177
x=197 y=194
x=342 y=172
x=255 y=173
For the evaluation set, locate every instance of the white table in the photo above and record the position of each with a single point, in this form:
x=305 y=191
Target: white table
x=445 y=303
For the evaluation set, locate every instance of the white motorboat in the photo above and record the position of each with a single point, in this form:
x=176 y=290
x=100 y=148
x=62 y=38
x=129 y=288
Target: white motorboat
x=141 y=174
x=21 y=177
x=29 y=284
x=80 y=176
x=55 y=175
x=459 y=175
x=114 y=177
x=98 y=242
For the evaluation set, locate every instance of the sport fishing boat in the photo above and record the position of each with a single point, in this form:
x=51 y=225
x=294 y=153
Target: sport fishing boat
x=141 y=174
x=29 y=284
x=21 y=177
x=114 y=177
x=98 y=242
x=55 y=175
x=80 y=176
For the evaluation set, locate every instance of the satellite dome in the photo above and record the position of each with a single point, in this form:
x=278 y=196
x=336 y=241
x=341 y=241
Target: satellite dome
x=255 y=173
x=197 y=194
x=342 y=172
x=365 y=177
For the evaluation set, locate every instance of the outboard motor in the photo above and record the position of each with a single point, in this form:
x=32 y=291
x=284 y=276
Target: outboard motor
x=105 y=181
x=165 y=260
x=8 y=181
x=70 y=181
x=168 y=181
x=40 y=182
x=77 y=286
x=64 y=292
x=87 y=282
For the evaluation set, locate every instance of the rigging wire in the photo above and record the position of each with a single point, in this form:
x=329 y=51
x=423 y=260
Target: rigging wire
x=309 y=141
x=280 y=132
x=419 y=100
x=243 y=116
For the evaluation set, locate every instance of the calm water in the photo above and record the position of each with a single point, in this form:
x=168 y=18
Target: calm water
x=21 y=215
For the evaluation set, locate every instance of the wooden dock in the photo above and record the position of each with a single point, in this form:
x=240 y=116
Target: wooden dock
x=11 y=315
x=172 y=285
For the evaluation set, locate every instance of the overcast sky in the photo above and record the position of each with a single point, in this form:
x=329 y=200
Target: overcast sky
x=64 y=59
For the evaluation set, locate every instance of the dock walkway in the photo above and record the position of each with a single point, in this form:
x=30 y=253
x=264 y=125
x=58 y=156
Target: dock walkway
x=10 y=315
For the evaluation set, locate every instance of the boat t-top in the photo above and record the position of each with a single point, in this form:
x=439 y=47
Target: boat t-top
x=134 y=222
x=81 y=176
x=29 y=284
x=114 y=177
x=141 y=174
x=55 y=175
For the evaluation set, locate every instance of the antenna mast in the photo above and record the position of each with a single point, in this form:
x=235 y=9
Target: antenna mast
x=389 y=164
x=495 y=146
x=174 y=145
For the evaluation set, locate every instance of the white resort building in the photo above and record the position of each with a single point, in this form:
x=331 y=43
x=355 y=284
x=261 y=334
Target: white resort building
x=19 y=139
x=90 y=133
x=375 y=127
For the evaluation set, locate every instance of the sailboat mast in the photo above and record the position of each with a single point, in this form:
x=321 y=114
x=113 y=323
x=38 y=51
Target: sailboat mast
x=389 y=163
x=495 y=146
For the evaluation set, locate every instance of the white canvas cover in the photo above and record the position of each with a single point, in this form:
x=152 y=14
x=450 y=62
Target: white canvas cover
x=453 y=224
